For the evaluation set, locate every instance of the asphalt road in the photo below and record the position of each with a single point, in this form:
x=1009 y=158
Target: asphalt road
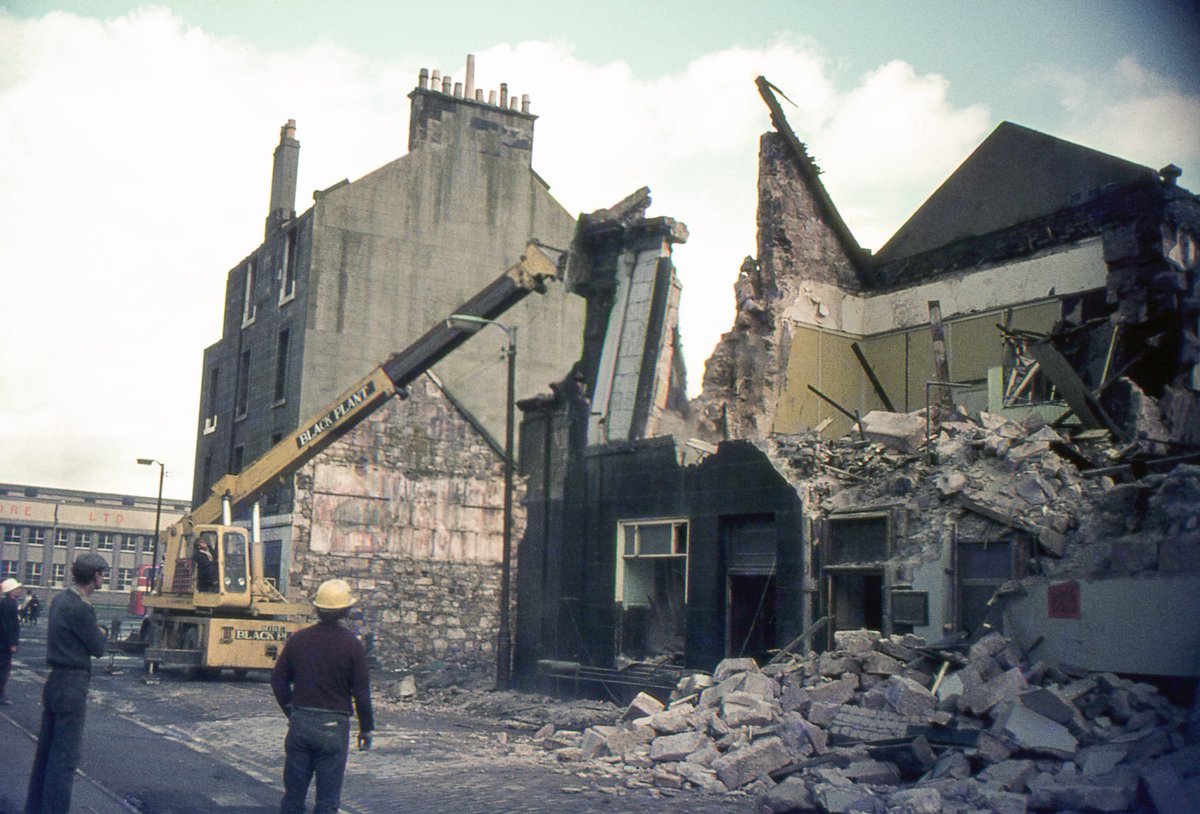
x=188 y=746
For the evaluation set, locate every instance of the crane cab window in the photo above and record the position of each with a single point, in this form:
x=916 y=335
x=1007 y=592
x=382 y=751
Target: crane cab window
x=233 y=556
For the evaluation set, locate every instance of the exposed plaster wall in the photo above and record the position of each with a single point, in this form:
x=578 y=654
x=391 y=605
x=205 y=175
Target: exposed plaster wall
x=409 y=507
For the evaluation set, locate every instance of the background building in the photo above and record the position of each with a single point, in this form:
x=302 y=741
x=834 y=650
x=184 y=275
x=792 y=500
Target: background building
x=43 y=530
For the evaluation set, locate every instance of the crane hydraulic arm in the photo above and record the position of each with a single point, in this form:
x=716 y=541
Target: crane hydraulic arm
x=537 y=265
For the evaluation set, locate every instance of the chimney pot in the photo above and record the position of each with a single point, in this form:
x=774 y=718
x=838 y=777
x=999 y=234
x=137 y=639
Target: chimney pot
x=503 y=94
x=469 y=90
x=458 y=90
x=492 y=98
x=423 y=79
x=524 y=102
x=446 y=85
x=1170 y=174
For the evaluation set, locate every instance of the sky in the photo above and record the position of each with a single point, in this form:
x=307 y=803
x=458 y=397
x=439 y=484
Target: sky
x=136 y=141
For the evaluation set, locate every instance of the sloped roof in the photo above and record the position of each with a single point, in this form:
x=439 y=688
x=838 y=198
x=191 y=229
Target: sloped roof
x=1014 y=176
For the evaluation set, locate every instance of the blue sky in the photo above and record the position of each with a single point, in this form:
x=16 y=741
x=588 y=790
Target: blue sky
x=136 y=143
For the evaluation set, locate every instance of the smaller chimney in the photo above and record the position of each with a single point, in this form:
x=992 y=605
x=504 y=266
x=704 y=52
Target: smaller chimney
x=283 y=178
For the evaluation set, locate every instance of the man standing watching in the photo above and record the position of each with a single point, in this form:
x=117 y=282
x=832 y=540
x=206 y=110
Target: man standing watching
x=73 y=639
x=10 y=632
x=321 y=670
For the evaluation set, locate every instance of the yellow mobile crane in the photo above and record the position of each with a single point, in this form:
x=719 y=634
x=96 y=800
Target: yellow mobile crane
x=242 y=621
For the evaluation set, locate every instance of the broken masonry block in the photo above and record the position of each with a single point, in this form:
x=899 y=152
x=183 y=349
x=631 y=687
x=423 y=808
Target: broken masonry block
x=665 y=779
x=832 y=665
x=670 y=721
x=980 y=698
x=760 y=685
x=699 y=776
x=1010 y=775
x=857 y=641
x=844 y=799
x=835 y=692
x=877 y=663
x=629 y=739
x=907 y=697
x=1116 y=791
x=667 y=748
x=860 y=725
x=952 y=764
x=739 y=766
x=1002 y=802
x=595 y=742
x=1037 y=733
x=903 y=432
x=912 y=759
x=642 y=706
x=790 y=795
x=915 y=801
x=873 y=772
x=728 y=667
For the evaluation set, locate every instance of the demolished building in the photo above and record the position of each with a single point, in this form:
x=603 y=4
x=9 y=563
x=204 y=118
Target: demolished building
x=943 y=438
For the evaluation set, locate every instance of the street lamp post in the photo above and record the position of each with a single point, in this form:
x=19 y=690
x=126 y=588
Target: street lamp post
x=504 y=639
x=162 y=471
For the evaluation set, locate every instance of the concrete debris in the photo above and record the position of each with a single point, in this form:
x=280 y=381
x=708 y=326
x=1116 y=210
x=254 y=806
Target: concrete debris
x=999 y=735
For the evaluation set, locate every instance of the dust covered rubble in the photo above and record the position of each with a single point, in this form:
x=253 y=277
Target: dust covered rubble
x=991 y=470
x=870 y=727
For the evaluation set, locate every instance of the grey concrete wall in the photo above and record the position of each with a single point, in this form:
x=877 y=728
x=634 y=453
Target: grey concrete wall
x=1143 y=625
x=405 y=245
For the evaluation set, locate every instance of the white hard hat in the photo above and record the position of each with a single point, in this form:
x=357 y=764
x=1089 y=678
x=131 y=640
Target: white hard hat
x=9 y=585
x=334 y=594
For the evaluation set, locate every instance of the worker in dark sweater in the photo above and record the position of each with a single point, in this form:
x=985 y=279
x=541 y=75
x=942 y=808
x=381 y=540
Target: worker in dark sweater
x=73 y=639
x=321 y=670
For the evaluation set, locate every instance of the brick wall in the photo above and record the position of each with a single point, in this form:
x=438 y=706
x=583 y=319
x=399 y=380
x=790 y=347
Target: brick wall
x=409 y=507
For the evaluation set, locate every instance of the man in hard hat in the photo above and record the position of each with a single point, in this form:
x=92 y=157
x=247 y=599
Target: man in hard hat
x=322 y=669
x=73 y=639
x=10 y=631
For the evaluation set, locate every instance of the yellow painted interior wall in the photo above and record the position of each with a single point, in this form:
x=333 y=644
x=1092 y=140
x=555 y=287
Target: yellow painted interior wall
x=902 y=361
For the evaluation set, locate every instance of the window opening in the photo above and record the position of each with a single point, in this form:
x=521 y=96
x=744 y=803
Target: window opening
x=248 y=308
x=651 y=589
x=281 y=364
x=242 y=402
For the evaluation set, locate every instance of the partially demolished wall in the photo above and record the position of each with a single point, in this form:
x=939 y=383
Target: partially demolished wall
x=408 y=507
x=744 y=375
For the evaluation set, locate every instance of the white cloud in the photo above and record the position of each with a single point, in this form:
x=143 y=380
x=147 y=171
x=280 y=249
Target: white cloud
x=139 y=163
x=1129 y=111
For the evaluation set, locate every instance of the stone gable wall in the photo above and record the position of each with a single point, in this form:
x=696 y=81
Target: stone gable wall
x=409 y=508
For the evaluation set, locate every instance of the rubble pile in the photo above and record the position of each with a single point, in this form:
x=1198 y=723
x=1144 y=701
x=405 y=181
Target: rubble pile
x=1023 y=475
x=890 y=724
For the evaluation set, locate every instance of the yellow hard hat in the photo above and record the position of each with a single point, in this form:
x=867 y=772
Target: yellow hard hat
x=334 y=594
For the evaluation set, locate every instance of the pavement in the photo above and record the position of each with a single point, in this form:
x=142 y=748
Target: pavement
x=216 y=747
x=20 y=743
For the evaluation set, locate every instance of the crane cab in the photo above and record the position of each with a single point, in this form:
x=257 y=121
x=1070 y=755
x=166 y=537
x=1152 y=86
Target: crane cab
x=212 y=566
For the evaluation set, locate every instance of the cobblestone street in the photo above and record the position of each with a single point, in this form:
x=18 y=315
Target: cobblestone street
x=222 y=741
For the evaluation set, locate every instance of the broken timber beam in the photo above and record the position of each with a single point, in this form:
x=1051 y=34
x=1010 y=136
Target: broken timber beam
x=834 y=404
x=1081 y=400
x=941 y=366
x=866 y=366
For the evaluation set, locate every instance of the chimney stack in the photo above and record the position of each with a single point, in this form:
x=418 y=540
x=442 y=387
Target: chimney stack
x=283 y=178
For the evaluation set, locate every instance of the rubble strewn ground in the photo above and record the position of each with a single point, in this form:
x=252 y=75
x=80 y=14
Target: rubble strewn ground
x=884 y=724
